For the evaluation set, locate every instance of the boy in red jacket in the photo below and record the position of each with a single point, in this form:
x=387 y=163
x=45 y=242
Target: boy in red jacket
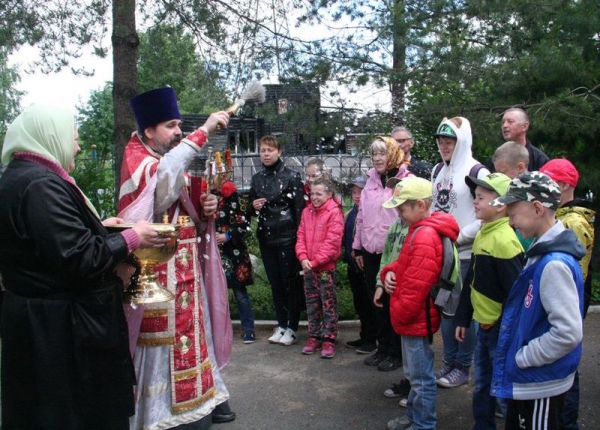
x=417 y=269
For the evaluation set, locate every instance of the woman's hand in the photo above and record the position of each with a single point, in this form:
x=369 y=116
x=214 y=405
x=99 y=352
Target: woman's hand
x=112 y=221
x=149 y=236
x=359 y=262
x=259 y=203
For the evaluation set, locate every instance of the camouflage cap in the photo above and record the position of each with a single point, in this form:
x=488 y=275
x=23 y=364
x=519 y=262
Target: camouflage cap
x=530 y=187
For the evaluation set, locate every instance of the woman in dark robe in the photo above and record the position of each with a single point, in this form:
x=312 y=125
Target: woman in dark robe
x=65 y=355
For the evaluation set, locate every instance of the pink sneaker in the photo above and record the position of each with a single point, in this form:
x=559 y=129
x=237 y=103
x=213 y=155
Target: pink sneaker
x=311 y=346
x=328 y=350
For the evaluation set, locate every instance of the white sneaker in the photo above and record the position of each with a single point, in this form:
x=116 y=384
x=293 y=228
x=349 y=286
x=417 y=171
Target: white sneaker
x=288 y=338
x=278 y=333
x=403 y=403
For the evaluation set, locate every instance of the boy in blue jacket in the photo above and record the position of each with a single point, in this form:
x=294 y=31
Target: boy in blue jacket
x=539 y=346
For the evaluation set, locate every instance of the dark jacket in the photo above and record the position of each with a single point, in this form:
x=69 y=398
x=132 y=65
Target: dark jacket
x=420 y=168
x=349 y=230
x=537 y=157
x=66 y=361
x=279 y=218
x=232 y=222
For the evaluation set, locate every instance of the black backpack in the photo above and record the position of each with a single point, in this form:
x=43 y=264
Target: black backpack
x=473 y=172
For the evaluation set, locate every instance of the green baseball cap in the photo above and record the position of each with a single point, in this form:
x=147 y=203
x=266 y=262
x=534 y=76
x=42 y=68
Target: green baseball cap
x=497 y=182
x=530 y=187
x=444 y=130
x=411 y=188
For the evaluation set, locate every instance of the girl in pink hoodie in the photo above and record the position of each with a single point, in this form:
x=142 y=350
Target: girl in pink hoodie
x=318 y=248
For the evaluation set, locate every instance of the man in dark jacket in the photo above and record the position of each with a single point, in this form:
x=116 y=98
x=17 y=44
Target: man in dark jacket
x=405 y=139
x=515 y=124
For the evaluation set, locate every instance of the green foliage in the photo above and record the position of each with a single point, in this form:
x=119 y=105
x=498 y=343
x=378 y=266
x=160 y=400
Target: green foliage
x=94 y=171
x=96 y=125
x=596 y=291
x=167 y=57
x=96 y=180
x=60 y=29
x=9 y=97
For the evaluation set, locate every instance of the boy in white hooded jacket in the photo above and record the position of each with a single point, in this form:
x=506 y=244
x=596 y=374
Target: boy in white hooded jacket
x=452 y=195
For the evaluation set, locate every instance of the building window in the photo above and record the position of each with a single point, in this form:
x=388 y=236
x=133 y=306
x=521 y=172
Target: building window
x=242 y=142
x=282 y=106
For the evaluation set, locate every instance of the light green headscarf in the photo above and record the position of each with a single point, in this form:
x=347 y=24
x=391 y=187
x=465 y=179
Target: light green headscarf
x=42 y=130
x=46 y=131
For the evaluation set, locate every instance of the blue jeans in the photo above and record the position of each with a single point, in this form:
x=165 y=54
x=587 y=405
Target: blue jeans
x=245 y=309
x=417 y=353
x=455 y=351
x=484 y=404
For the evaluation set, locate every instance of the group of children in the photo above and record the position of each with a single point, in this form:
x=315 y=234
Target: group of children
x=524 y=287
x=528 y=305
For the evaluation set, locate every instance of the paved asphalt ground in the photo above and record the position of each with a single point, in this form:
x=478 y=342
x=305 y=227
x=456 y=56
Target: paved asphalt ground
x=276 y=387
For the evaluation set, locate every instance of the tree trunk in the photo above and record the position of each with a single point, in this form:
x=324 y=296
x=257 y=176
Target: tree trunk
x=398 y=75
x=125 y=44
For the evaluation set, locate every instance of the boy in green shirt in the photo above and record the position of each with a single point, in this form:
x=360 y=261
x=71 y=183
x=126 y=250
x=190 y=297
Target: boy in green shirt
x=393 y=244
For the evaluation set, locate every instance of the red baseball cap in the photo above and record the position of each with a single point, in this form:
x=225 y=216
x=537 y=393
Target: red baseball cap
x=561 y=170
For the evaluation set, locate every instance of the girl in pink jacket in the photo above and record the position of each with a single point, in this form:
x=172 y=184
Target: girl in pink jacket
x=318 y=247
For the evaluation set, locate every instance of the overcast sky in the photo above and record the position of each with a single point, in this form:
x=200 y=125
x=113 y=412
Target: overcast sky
x=66 y=90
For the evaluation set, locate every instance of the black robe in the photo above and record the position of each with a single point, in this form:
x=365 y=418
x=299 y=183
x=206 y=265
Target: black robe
x=65 y=356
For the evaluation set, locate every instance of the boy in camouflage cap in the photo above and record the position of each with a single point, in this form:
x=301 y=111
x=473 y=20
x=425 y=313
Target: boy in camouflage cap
x=539 y=347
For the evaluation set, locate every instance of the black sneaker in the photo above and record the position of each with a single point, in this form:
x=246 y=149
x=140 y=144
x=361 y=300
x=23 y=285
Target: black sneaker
x=248 y=338
x=398 y=390
x=366 y=348
x=389 y=364
x=375 y=359
x=354 y=343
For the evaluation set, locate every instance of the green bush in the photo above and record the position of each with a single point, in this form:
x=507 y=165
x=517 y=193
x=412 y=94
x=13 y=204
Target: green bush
x=596 y=291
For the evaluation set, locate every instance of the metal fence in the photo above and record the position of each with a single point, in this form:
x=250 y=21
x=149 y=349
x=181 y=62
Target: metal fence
x=342 y=168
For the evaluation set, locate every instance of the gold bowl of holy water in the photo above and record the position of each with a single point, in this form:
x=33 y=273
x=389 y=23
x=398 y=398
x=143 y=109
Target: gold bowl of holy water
x=144 y=287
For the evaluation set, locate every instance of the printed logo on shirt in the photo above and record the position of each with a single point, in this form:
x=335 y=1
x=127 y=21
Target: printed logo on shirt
x=529 y=296
x=444 y=197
